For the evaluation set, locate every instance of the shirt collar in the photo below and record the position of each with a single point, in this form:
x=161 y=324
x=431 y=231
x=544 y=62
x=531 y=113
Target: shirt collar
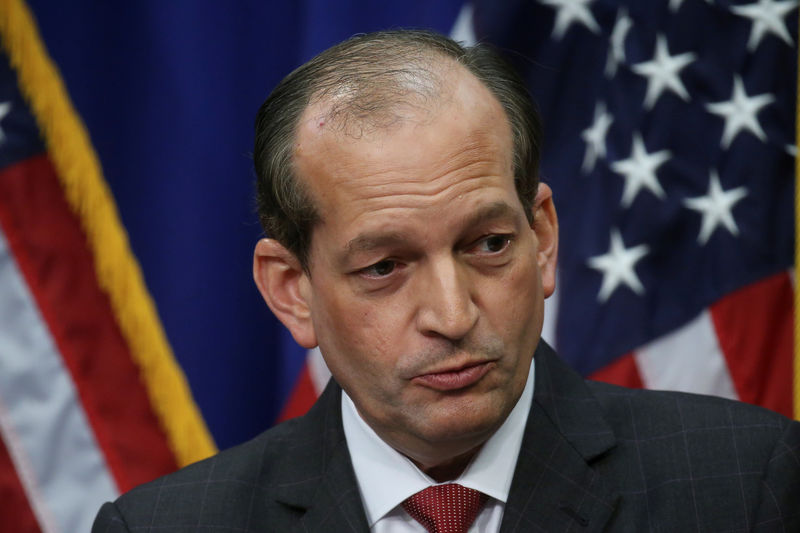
x=374 y=461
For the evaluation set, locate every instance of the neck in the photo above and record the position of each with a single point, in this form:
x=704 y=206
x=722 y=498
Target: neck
x=448 y=470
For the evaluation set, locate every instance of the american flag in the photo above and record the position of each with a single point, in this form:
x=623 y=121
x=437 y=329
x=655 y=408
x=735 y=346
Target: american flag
x=669 y=144
x=676 y=236
x=92 y=402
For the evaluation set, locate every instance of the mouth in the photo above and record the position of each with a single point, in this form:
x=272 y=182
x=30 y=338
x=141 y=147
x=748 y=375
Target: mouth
x=455 y=378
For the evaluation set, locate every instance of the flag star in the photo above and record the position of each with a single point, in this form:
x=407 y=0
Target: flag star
x=616 y=49
x=595 y=137
x=663 y=72
x=791 y=149
x=675 y=5
x=617 y=266
x=716 y=208
x=767 y=17
x=639 y=170
x=740 y=113
x=570 y=11
x=5 y=109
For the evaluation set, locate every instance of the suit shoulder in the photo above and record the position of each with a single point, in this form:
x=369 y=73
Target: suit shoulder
x=669 y=410
x=739 y=464
x=230 y=477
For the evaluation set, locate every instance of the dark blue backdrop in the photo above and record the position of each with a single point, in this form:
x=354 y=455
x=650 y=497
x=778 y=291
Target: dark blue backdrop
x=168 y=91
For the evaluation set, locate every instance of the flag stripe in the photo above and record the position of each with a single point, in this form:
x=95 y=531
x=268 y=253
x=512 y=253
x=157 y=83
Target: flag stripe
x=688 y=359
x=50 y=249
x=317 y=370
x=118 y=273
x=754 y=325
x=302 y=397
x=14 y=506
x=622 y=371
x=310 y=383
x=48 y=437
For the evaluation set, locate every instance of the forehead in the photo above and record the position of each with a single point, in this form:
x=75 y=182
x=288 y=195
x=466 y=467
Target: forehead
x=449 y=147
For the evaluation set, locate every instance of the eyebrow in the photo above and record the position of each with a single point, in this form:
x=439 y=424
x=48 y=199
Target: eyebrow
x=491 y=212
x=385 y=239
x=372 y=240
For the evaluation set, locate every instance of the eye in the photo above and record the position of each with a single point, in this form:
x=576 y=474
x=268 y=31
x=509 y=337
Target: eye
x=493 y=244
x=380 y=269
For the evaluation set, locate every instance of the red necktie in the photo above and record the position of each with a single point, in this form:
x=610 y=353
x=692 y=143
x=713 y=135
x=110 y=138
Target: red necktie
x=447 y=508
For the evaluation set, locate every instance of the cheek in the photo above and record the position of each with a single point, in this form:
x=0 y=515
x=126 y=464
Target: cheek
x=352 y=334
x=522 y=310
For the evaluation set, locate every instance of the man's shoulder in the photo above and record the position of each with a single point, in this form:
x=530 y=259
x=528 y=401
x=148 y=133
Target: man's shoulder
x=580 y=406
x=703 y=438
x=201 y=493
x=734 y=464
x=688 y=411
x=240 y=465
x=281 y=462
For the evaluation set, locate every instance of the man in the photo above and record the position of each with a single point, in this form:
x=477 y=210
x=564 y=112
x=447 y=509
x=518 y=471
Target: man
x=411 y=241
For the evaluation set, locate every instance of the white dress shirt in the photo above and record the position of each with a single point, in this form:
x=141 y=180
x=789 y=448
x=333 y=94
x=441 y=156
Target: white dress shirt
x=386 y=477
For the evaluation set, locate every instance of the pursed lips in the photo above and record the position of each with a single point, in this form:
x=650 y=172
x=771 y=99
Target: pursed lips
x=454 y=377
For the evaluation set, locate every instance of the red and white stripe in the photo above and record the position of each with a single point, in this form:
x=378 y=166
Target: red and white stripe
x=740 y=348
x=77 y=425
x=47 y=435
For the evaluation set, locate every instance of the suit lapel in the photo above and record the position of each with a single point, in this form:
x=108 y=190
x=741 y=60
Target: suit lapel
x=325 y=495
x=555 y=487
x=337 y=503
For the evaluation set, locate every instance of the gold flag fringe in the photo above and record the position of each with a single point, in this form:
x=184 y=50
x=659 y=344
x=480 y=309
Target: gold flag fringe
x=118 y=272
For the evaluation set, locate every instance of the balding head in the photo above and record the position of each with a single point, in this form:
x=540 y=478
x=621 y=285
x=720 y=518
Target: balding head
x=370 y=82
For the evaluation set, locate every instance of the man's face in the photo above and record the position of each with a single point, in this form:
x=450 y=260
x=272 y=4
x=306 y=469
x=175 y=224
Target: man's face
x=425 y=290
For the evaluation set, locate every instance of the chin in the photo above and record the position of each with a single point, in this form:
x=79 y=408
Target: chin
x=472 y=426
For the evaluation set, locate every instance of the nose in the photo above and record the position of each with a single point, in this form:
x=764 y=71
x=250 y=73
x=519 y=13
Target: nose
x=446 y=301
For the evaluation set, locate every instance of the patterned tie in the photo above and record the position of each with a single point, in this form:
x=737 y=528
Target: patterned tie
x=447 y=508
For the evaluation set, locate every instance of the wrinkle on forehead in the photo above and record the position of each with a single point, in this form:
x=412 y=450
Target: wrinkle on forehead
x=410 y=190
x=476 y=127
x=397 y=183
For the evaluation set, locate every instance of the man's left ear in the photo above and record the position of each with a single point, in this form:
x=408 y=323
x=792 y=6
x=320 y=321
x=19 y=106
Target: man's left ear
x=545 y=224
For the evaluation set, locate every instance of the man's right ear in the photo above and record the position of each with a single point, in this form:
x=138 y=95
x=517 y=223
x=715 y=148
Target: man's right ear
x=286 y=288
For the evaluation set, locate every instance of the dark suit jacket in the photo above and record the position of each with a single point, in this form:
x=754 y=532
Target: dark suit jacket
x=594 y=458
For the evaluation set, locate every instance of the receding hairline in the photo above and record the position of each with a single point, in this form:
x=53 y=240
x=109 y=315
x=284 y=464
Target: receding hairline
x=325 y=111
x=414 y=84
